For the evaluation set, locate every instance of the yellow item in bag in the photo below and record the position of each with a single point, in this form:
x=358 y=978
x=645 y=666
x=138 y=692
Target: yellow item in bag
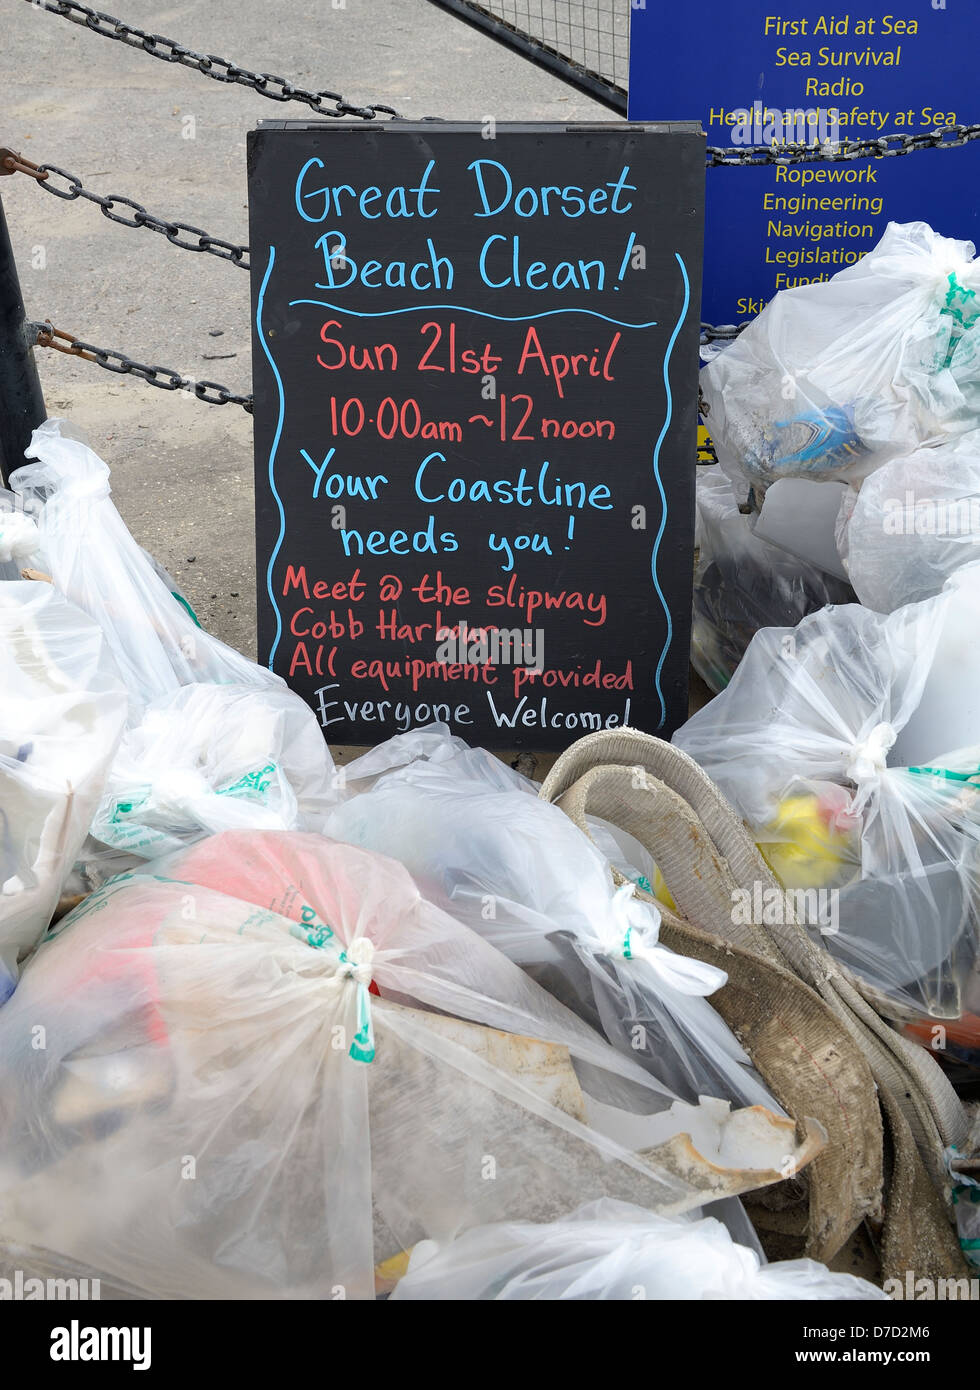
x=658 y=888
x=804 y=850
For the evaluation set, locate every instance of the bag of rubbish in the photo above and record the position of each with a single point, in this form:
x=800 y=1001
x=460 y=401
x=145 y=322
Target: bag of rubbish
x=62 y=708
x=834 y=379
x=270 y=1068
x=743 y=583
x=613 y=1250
x=913 y=523
x=482 y=845
x=213 y=740
x=99 y=567
x=831 y=742
x=214 y=757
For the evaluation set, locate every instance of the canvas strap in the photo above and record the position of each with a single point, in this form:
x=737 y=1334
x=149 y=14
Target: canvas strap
x=819 y=1044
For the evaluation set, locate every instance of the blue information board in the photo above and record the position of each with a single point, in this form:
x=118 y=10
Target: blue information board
x=749 y=74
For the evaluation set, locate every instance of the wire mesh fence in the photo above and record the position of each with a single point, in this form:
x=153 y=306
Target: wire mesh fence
x=585 y=41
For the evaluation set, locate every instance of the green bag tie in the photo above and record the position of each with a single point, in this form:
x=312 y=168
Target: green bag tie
x=358 y=968
x=945 y=773
x=355 y=963
x=184 y=604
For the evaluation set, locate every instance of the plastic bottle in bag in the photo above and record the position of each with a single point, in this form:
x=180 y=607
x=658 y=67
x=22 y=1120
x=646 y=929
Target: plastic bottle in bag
x=834 y=379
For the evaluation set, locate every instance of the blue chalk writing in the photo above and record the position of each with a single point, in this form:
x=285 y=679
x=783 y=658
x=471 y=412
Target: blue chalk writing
x=331 y=200
x=668 y=416
x=463 y=309
x=547 y=200
x=280 y=421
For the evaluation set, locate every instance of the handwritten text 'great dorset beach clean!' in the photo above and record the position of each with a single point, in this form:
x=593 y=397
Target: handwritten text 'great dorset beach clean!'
x=503 y=261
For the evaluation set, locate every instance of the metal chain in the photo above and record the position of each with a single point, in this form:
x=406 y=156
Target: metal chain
x=202 y=241
x=166 y=378
x=721 y=333
x=170 y=228
x=884 y=147
x=265 y=83
x=278 y=89
x=47 y=336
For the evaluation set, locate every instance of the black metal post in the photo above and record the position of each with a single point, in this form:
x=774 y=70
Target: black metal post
x=21 y=402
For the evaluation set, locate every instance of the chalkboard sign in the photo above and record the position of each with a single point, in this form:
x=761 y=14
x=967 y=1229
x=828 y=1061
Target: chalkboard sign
x=475 y=378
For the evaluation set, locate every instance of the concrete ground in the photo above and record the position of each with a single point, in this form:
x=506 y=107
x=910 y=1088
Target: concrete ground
x=175 y=141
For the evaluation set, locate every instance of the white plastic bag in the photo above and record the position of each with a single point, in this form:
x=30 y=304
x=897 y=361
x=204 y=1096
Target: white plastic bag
x=835 y=378
x=829 y=741
x=98 y=566
x=481 y=844
x=612 y=1250
x=262 y=1078
x=743 y=583
x=913 y=524
x=215 y=757
x=62 y=707
x=214 y=741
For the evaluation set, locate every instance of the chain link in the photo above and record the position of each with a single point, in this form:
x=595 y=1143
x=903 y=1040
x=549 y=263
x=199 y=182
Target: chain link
x=166 y=378
x=721 y=333
x=325 y=103
x=884 y=147
x=190 y=238
x=278 y=89
x=47 y=336
x=182 y=234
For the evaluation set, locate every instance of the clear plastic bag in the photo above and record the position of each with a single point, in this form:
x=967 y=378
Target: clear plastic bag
x=611 y=1250
x=62 y=708
x=481 y=844
x=215 y=757
x=743 y=583
x=270 y=1068
x=830 y=743
x=835 y=378
x=98 y=566
x=213 y=740
x=913 y=524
